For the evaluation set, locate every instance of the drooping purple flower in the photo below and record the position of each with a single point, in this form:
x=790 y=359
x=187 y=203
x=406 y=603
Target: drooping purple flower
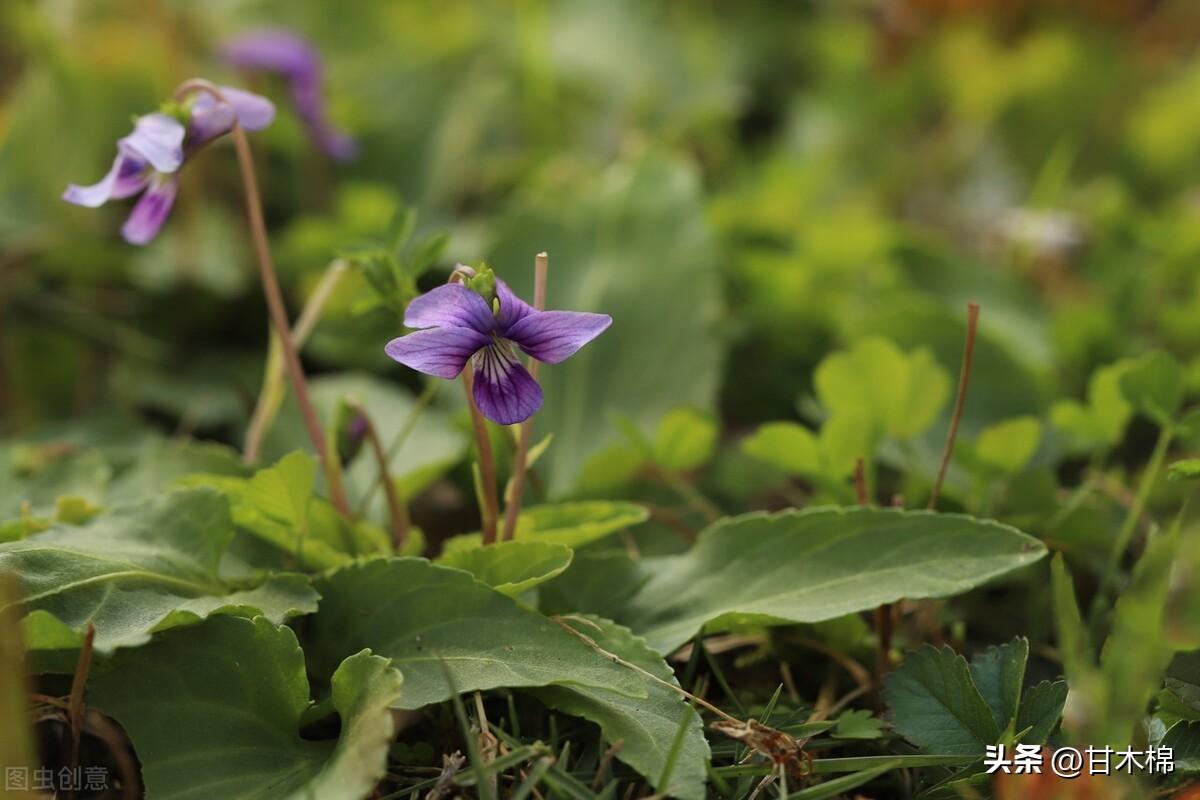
x=149 y=159
x=456 y=327
x=287 y=54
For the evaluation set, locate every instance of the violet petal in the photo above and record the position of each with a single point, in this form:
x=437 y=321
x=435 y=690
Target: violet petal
x=503 y=389
x=554 y=336
x=442 y=352
x=512 y=308
x=158 y=139
x=450 y=305
x=151 y=210
x=128 y=176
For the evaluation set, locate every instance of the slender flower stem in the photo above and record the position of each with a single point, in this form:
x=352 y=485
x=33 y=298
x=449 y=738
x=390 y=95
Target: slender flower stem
x=75 y=705
x=513 y=497
x=271 y=394
x=487 y=463
x=410 y=424
x=274 y=295
x=960 y=399
x=397 y=510
x=1129 y=525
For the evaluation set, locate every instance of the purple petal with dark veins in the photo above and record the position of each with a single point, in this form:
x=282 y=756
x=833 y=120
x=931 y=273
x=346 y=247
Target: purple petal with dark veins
x=512 y=308
x=151 y=210
x=451 y=305
x=554 y=336
x=442 y=352
x=128 y=176
x=504 y=390
x=158 y=139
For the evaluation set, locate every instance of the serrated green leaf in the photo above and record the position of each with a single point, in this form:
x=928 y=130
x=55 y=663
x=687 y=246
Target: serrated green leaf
x=426 y=618
x=685 y=439
x=511 y=567
x=934 y=703
x=647 y=726
x=999 y=673
x=215 y=710
x=858 y=724
x=138 y=569
x=1041 y=709
x=818 y=564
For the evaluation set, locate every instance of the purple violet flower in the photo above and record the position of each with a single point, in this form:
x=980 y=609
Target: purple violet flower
x=456 y=326
x=149 y=159
x=285 y=53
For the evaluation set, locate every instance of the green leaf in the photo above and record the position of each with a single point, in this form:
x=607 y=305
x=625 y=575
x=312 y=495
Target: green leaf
x=685 y=439
x=1009 y=445
x=511 y=567
x=858 y=724
x=425 y=617
x=569 y=524
x=647 y=726
x=285 y=491
x=139 y=569
x=934 y=703
x=214 y=711
x=787 y=445
x=837 y=786
x=631 y=241
x=1041 y=709
x=1102 y=421
x=1187 y=469
x=848 y=383
x=1183 y=738
x=819 y=564
x=269 y=507
x=998 y=673
x=1154 y=386
x=597 y=582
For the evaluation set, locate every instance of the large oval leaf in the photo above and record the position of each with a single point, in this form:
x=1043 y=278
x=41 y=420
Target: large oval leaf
x=138 y=569
x=817 y=564
x=449 y=633
x=214 y=711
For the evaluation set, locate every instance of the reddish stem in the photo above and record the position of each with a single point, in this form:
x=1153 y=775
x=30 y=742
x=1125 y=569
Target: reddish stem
x=512 y=500
x=960 y=400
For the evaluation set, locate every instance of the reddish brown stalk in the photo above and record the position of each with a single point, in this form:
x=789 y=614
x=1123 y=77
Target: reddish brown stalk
x=274 y=296
x=860 y=482
x=883 y=614
x=487 y=463
x=960 y=399
x=397 y=509
x=512 y=500
x=75 y=705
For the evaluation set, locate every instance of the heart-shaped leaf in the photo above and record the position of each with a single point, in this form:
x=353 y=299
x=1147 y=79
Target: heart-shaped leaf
x=214 y=710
